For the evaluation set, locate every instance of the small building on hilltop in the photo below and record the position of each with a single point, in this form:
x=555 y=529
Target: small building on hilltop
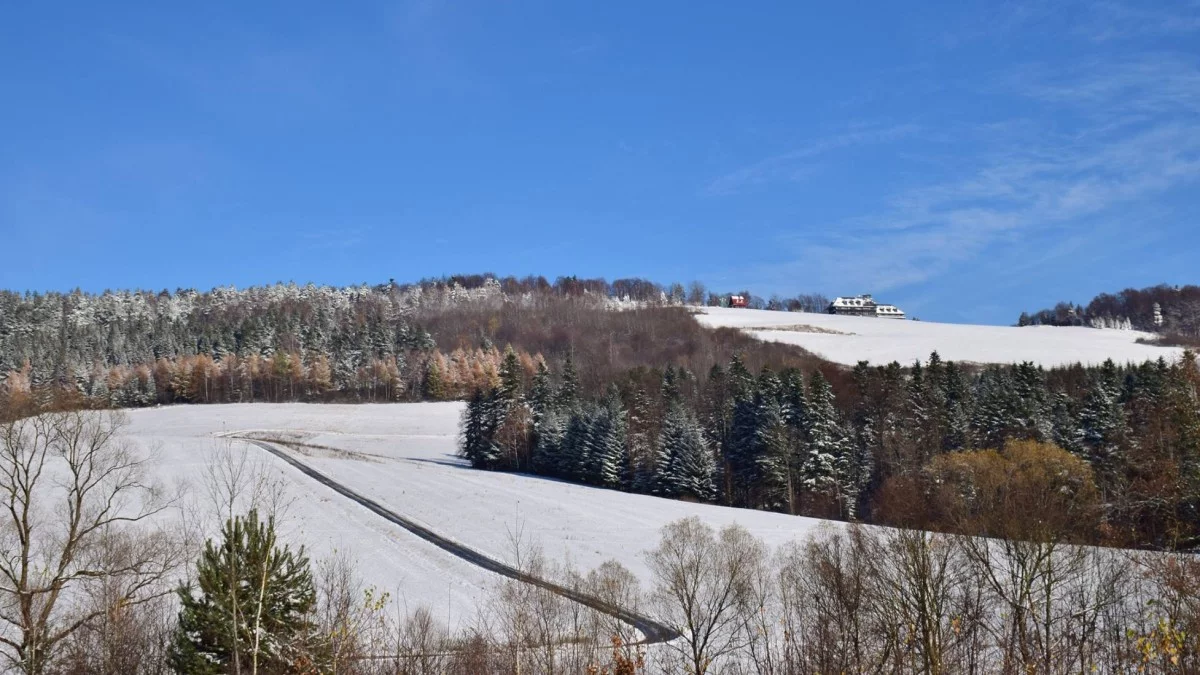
x=738 y=301
x=864 y=305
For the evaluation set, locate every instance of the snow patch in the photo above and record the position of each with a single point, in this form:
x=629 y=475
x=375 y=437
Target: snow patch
x=850 y=339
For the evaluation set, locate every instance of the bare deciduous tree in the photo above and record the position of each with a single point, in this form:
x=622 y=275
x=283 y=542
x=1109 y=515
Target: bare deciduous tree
x=77 y=524
x=236 y=479
x=348 y=616
x=614 y=584
x=827 y=590
x=918 y=590
x=700 y=578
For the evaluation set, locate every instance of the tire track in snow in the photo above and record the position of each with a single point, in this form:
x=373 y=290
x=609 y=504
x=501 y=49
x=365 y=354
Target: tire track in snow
x=653 y=631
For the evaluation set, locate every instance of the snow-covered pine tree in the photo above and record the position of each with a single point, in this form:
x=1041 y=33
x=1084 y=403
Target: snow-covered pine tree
x=830 y=465
x=575 y=459
x=717 y=418
x=607 y=441
x=472 y=442
x=99 y=390
x=741 y=382
x=509 y=411
x=1031 y=419
x=915 y=419
x=149 y=394
x=666 y=480
x=995 y=409
x=512 y=377
x=823 y=437
x=742 y=447
x=864 y=416
x=718 y=408
x=547 y=451
x=1064 y=422
x=793 y=399
x=775 y=465
x=935 y=400
x=1181 y=397
x=671 y=393
x=685 y=467
x=958 y=420
x=568 y=390
x=642 y=460
x=662 y=478
x=541 y=395
x=697 y=465
x=1102 y=425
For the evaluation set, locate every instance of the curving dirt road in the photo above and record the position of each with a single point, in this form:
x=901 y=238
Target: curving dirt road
x=653 y=631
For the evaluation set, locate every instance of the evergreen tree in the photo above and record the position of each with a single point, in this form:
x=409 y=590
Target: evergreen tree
x=830 y=464
x=958 y=418
x=511 y=377
x=662 y=479
x=568 y=390
x=741 y=382
x=541 y=395
x=866 y=412
x=1181 y=398
x=607 y=442
x=823 y=438
x=433 y=386
x=717 y=406
x=642 y=460
x=742 y=449
x=252 y=607
x=775 y=458
x=575 y=458
x=793 y=400
x=100 y=390
x=995 y=409
x=150 y=390
x=916 y=416
x=1064 y=422
x=510 y=412
x=547 y=453
x=1101 y=425
x=479 y=426
x=685 y=464
x=717 y=417
x=1031 y=417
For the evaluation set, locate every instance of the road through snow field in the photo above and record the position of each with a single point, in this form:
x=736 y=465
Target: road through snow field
x=403 y=456
x=652 y=631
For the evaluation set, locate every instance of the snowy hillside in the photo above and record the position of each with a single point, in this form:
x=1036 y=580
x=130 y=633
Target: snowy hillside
x=402 y=455
x=848 y=339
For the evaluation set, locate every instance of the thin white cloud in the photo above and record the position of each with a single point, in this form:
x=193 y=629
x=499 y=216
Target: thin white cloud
x=1101 y=21
x=1139 y=137
x=796 y=164
x=1120 y=20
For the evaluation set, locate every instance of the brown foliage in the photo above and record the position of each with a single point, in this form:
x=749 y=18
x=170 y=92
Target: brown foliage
x=604 y=343
x=1028 y=490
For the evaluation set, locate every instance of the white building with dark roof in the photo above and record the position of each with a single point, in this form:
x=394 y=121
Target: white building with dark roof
x=864 y=305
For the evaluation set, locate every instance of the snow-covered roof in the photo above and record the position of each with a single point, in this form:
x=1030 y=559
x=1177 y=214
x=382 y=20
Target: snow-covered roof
x=855 y=301
x=867 y=303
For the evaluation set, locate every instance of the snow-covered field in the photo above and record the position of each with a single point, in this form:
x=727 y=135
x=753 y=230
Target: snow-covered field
x=848 y=339
x=402 y=455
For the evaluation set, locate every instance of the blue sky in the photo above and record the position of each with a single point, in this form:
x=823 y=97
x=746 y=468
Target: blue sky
x=966 y=160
